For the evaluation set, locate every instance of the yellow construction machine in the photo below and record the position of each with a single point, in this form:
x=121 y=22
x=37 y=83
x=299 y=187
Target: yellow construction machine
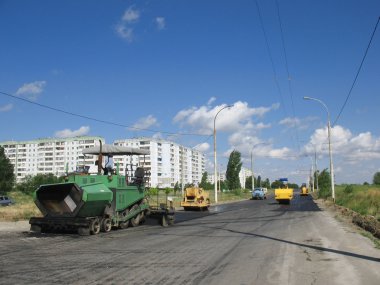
x=283 y=195
x=195 y=198
x=304 y=191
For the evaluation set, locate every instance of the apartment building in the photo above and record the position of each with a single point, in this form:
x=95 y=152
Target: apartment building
x=43 y=156
x=168 y=162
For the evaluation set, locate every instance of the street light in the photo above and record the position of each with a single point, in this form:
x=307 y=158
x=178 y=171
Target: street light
x=253 y=180
x=215 y=165
x=330 y=148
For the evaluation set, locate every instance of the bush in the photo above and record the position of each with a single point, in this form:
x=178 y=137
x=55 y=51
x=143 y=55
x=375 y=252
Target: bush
x=348 y=189
x=152 y=191
x=31 y=183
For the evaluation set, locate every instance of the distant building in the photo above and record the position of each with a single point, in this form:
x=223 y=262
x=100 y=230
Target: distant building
x=44 y=156
x=165 y=162
x=243 y=174
x=168 y=162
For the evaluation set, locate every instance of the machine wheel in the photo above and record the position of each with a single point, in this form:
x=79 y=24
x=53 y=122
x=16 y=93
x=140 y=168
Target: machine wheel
x=164 y=221
x=142 y=218
x=106 y=225
x=124 y=225
x=95 y=226
x=135 y=221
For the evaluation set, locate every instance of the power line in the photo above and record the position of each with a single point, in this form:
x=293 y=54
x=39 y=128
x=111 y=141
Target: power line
x=274 y=68
x=270 y=56
x=98 y=120
x=357 y=74
x=287 y=69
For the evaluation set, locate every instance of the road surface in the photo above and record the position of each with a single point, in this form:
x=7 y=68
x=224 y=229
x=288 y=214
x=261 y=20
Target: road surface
x=247 y=242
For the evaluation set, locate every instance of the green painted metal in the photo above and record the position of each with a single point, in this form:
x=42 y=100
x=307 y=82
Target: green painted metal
x=88 y=196
x=95 y=197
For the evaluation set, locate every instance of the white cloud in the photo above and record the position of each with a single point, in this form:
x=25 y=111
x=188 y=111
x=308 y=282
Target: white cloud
x=6 y=108
x=124 y=29
x=354 y=148
x=261 y=126
x=297 y=123
x=131 y=15
x=144 y=123
x=67 y=133
x=211 y=100
x=202 y=118
x=31 y=90
x=160 y=22
x=125 y=32
x=203 y=147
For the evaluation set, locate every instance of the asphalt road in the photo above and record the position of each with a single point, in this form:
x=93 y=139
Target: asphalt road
x=248 y=242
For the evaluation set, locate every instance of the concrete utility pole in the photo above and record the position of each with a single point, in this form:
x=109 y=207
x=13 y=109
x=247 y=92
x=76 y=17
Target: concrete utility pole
x=215 y=165
x=253 y=179
x=330 y=147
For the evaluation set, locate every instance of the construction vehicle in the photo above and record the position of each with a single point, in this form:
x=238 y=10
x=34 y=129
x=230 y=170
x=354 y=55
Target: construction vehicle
x=89 y=203
x=195 y=198
x=284 y=194
x=304 y=191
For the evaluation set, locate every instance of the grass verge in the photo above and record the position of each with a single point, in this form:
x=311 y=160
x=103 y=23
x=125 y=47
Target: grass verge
x=23 y=209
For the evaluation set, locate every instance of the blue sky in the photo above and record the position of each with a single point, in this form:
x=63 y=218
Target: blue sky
x=169 y=66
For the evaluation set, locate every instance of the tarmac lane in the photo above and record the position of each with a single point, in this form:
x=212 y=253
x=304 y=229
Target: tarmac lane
x=246 y=242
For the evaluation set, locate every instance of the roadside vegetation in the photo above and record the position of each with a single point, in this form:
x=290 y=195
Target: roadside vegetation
x=363 y=199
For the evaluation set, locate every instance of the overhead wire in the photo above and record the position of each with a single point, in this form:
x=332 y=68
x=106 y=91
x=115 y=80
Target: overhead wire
x=273 y=66
x=99 y=120
x=287 y=69
x=270 y=57
x=357 y=74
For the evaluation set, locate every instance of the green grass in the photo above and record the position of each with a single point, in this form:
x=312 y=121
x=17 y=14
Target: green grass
x=363 y=199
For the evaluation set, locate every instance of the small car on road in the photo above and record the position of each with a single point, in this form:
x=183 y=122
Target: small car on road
x=5 y=201
x=259 y=194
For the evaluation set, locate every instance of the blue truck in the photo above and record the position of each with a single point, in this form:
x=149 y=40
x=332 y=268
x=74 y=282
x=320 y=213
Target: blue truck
x=259 y=194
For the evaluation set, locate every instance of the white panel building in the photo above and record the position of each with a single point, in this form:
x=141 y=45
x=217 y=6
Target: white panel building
x=165 y=162
x=168 y=162
x=44 y=156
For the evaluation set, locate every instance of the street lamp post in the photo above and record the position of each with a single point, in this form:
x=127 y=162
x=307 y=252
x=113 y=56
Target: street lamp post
x=330 y=147
x=215 y=165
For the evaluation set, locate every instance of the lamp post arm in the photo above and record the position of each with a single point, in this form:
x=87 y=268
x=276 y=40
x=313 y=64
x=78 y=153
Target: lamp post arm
x=215 y=165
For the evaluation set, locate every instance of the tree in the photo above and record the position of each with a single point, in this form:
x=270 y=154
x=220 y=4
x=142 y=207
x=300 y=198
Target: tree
x=293 y=185
x=204 y=183
x=276 y=184
x=176 y=187
x=7 y=177
x=233 y=170
x=31 y=183
x=203 y=180
x=258 y=181
x=376 y=178
x=248 y=182
x=266 y=183
x=324 y=183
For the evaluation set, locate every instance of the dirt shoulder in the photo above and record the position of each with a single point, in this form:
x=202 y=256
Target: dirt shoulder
x=19 y=226
x=357 y=221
